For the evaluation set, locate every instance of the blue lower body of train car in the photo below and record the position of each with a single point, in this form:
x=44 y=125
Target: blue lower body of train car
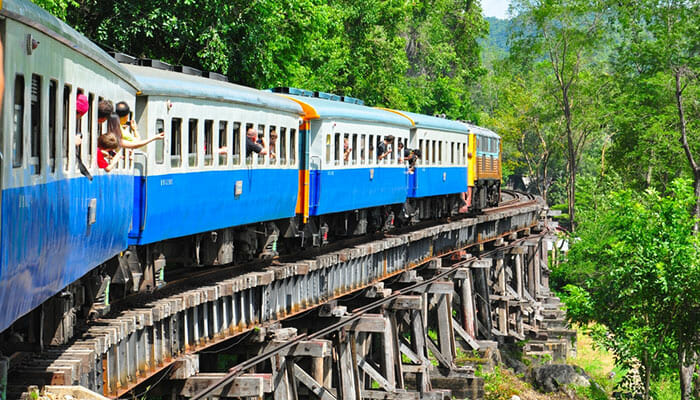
x=437 y=181
x=50 y=241
x=176 y=205
x=338 y=190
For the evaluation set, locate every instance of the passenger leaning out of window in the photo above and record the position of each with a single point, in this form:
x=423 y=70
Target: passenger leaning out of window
x=384 y=148
x=251 y=146
x=346 y=149
x=273 y=143
x=81 y=107
x=108 y=151
x=129 y=137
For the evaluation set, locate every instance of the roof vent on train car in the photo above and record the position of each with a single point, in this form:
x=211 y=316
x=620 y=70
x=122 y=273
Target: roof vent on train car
x=327 y=96
x=187 y=70
x=293 y=91
x=149 y=62
x=352 y=100
x=123 y=58
x=216 y=76
x=440 y=115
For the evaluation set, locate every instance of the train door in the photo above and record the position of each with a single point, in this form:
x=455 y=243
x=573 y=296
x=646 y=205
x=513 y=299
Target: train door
x=3 y=107
x=412 y=175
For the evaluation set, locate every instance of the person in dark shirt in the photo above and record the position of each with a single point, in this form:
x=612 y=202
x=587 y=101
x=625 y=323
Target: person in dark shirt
x=384 y=148
x=251 y=146
x=404 y=152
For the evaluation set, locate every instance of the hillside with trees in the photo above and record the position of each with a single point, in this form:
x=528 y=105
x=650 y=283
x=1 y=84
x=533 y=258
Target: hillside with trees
x=597 y=102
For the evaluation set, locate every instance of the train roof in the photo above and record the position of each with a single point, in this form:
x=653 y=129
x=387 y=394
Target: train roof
x=481 y=131
x=158 y=82
x=32 y=15
x=315 y=108
x=430 y=122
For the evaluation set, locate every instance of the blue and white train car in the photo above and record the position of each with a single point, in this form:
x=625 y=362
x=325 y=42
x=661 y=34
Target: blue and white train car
x=56 y=225
x=199 y=178
x=359 y=180
x=442 y=167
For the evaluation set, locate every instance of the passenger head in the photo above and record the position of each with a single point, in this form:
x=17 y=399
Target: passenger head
x=273 y=135
x=389 y=139
x=81 y=105
x=114 y=127
x=122 y=111
x=400 y=145
x=252 y=134
x=104 y=108
x=107 y=141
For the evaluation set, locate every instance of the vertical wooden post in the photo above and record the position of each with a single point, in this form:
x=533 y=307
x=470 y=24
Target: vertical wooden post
x=468 y=304
x=519 y=274
x=419 y=347
x=280 y=378
x=347 y=369
x=502 y=310
x=445 y=331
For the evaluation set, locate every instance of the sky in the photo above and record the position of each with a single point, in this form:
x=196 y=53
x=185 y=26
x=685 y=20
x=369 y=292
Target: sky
x=495 y=8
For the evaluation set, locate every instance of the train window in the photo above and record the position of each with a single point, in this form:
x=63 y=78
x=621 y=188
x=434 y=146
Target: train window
x=363 y=140
x=422 y=151
x=66 y=118
x=354 y=149
x=428 y=152
x=208 y=141
x=249 y=155
x=464 y=153
x=35 y=130
x=346 y=149
x=223 y=143
x=452 y=153
x=262 y=140
x=236 y=145
x=160 y=145
x=18 y=123
x=292 y=146
x=328 y=149
x=100 y=126
x=176 y=143
x=337 y=145
x=370 y=159
x=91 y=129
x=192 y=142
x=283 y=145
x=379 y=140
x=433 y=152
x=439 y=154
x=272 y=133
x=53 y=103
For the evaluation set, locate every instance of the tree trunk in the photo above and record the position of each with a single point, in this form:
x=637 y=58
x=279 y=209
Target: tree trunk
x=684 y=142
x=687 y=367
x=571 y=155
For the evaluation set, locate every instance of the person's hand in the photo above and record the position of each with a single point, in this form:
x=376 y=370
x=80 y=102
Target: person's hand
x=132 y=125
x=78 y=140
x=160 y=136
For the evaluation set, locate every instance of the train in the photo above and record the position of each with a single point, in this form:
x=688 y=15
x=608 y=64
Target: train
x=70 y=244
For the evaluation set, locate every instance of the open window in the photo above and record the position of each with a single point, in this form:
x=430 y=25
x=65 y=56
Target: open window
x=363 y=149
x=18 y=123
x=35 y=131
x=160 y=146
x=53 y=104
x=222 y=149
x=262 y=141
x=338 y=155
x=292 y=146
x=273 y=149
x=192 y=142
x=354 y=149
x=283 y=146
x=176 y=143
x=208 y=142
x=236 y=144
x=65 y=126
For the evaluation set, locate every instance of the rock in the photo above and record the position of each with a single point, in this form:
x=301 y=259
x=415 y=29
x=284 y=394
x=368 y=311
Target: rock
x=515 y=397
x=548 y=378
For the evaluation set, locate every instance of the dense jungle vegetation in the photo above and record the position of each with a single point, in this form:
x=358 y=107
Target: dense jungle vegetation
x=598 y=103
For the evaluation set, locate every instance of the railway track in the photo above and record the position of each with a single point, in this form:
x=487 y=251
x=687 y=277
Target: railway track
x=146 y=334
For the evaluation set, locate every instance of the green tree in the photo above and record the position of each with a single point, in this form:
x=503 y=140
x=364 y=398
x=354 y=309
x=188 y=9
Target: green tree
x=635 y=269
x=566 y=35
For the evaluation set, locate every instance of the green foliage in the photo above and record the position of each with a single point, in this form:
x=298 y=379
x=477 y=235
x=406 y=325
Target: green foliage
x=420 y=56
x=634 y=268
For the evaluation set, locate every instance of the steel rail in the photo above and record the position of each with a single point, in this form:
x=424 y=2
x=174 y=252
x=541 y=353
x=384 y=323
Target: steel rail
x=357 y=313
